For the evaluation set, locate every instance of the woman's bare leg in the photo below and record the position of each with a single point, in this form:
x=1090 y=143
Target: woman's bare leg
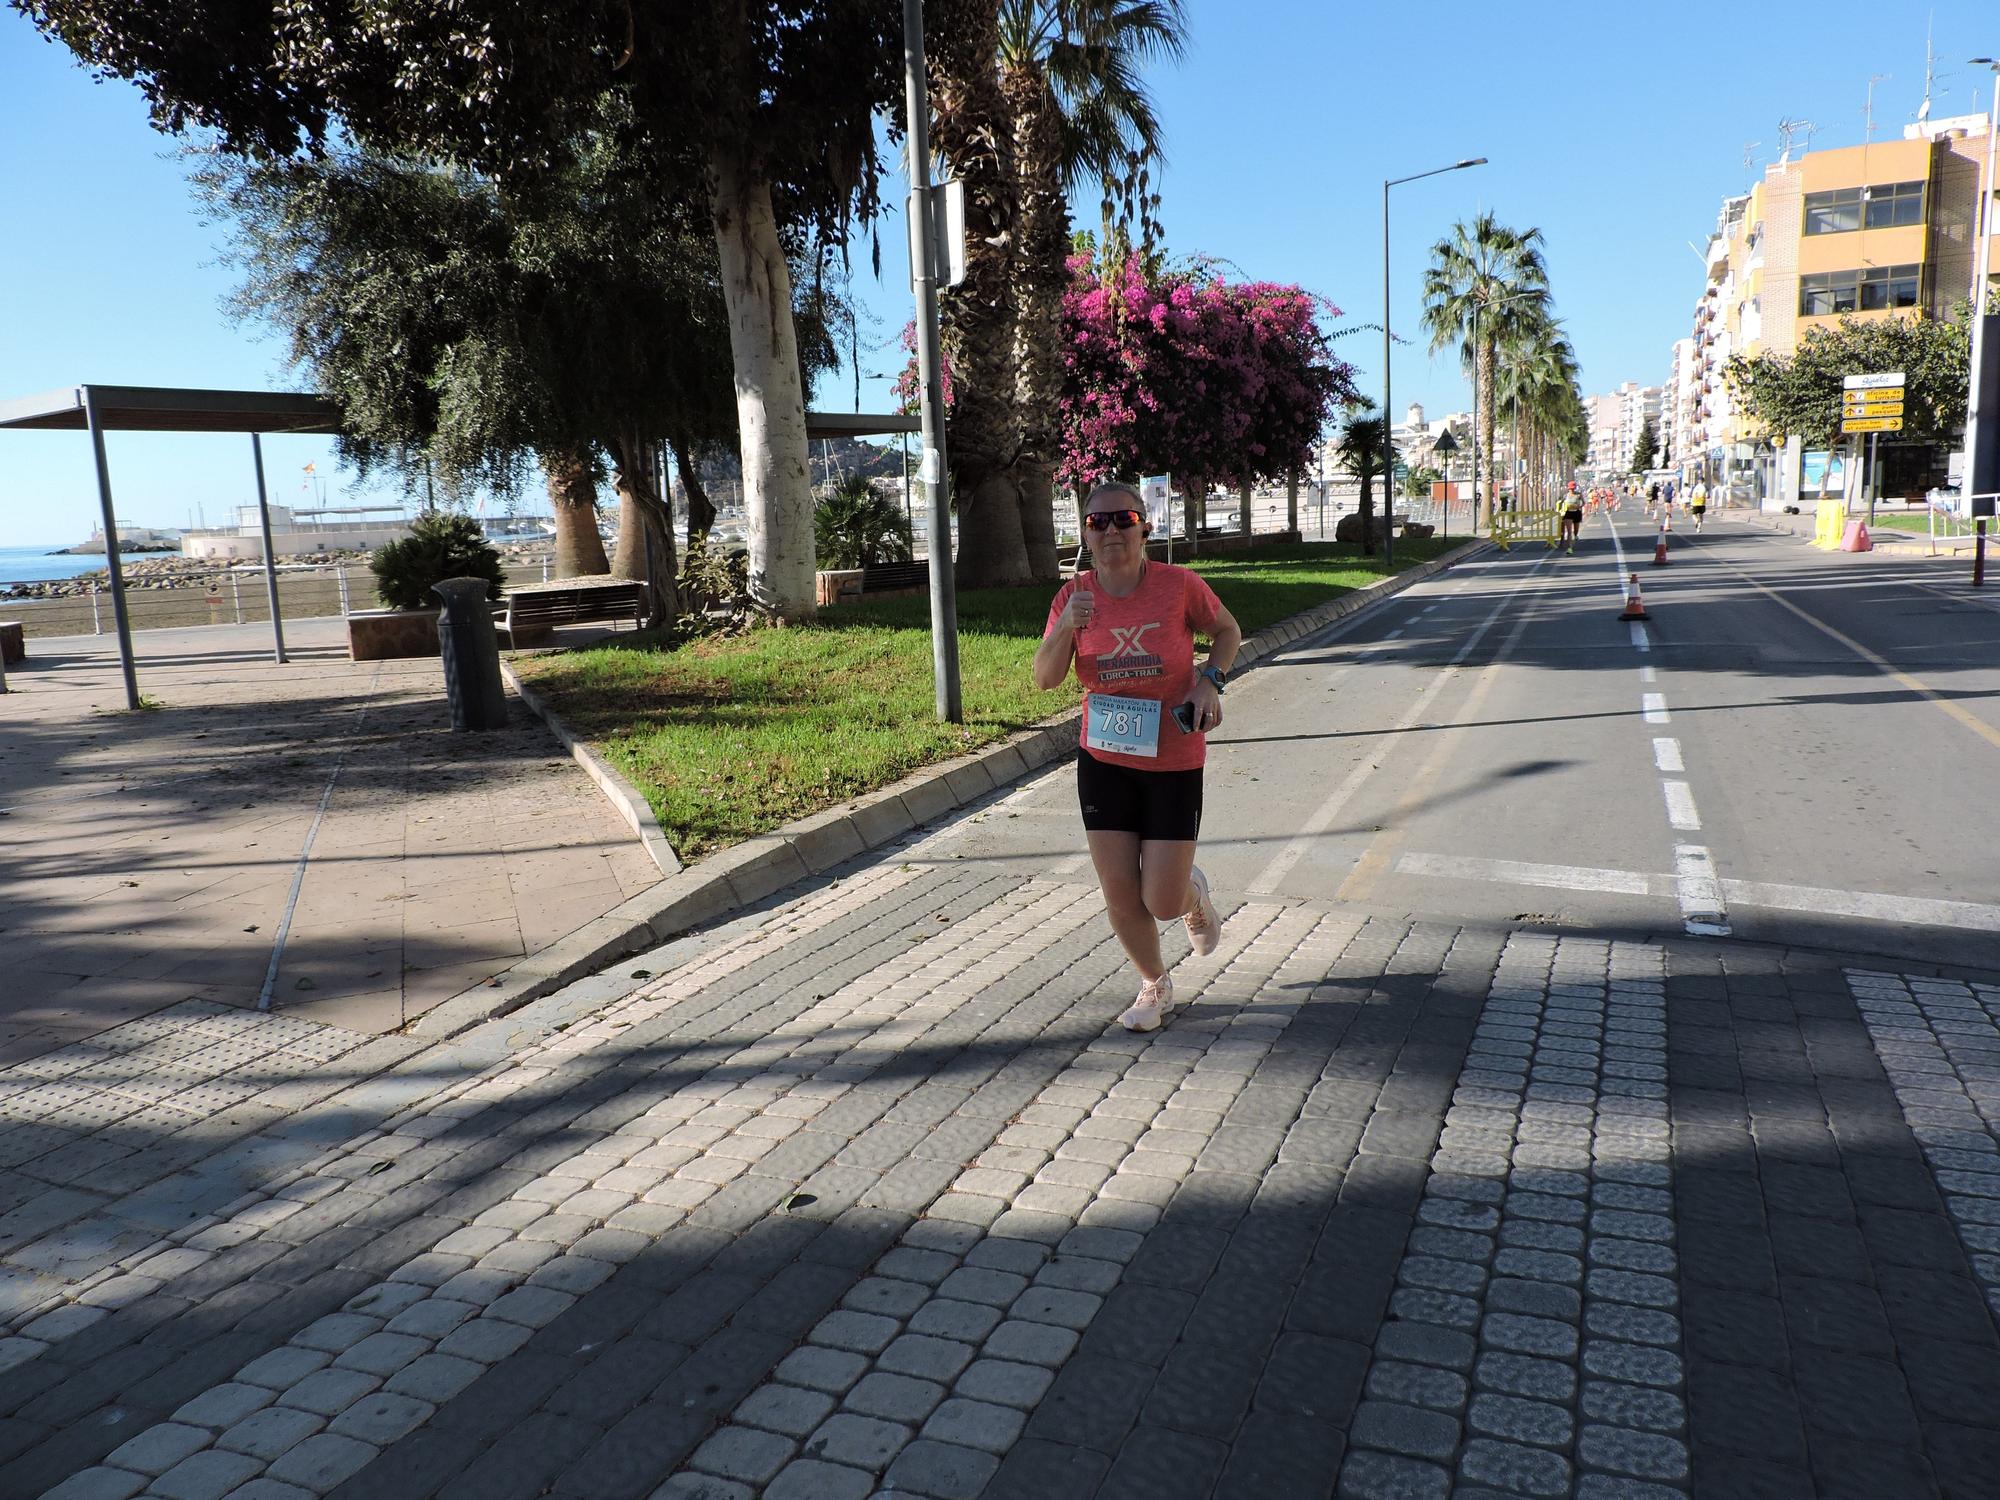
x=1117 y=859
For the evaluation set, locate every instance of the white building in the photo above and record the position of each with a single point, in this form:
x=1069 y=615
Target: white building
x=294 y=532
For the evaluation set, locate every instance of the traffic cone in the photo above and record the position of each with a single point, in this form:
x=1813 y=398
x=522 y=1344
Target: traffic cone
x=1635 y=606
x=1660 y=550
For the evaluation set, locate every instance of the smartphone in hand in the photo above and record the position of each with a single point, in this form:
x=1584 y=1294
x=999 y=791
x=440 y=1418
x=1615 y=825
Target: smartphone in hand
x=1184 y=716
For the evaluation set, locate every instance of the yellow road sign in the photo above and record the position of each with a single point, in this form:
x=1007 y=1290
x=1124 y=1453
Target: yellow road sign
x=1879 y=409
x=1855 y=400
x=1872 y=424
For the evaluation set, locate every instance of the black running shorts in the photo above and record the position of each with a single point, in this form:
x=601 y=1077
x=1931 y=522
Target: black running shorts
x=1152 y=804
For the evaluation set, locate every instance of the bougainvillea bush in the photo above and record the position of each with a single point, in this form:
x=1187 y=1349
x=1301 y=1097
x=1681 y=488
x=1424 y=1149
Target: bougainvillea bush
x=1182 y=371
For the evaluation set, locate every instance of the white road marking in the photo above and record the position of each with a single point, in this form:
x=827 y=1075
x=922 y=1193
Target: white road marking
x=1655 y=705
x=1394 y=633
x=1680 y=805
x=1871 y=906
x=1703 y=912
x=1301 y=843
x=1667 y=755
x=1524 y=872
x=1639 y=637
x=1919 y=910
x=1647 y=674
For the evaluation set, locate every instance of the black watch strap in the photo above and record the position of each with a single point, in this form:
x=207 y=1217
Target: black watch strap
x=1217 y=676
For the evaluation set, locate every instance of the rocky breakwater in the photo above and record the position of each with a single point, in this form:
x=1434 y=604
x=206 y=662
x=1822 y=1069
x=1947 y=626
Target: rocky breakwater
x=174 y=572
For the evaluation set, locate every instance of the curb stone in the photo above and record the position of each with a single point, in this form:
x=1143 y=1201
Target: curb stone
x=625 y=799
x=746 y=873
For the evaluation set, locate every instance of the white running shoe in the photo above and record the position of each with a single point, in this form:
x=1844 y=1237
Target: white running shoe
x=1146 y=1013
x=1204 y=922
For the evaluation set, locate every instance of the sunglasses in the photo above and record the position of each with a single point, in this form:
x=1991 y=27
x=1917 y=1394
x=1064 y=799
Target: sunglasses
x=1104 y=520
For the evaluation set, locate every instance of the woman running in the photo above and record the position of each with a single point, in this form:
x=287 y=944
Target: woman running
x=1128 y=626
x=1572 y=518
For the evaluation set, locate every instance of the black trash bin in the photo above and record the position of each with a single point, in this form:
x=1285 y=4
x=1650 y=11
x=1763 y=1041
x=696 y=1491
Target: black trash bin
x=471 y=653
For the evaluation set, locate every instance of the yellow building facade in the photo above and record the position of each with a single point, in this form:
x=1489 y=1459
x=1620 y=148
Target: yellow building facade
x=1879 y=230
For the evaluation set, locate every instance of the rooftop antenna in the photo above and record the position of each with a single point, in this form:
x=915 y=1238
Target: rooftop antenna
x=1789 y=128
x=1930 y=70
x=1750 y=153
x=1869 y=111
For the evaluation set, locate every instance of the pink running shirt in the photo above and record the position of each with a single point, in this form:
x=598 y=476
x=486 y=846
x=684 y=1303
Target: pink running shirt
x=1142 y=646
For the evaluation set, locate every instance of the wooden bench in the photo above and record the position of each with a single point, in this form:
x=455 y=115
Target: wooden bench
x=890 y=577
x=539 y=608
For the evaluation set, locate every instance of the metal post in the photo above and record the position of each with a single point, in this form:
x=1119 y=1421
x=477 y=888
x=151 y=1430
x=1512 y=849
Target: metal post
x=934 y=470
x=1388 y=416
x=270 y=554
x=1869 y=480
x=112 y=565
x=1475 y=416
x=96 y=619
x=340 y=582
x=908 y=519
x=1982 y=222
x=1979 y=554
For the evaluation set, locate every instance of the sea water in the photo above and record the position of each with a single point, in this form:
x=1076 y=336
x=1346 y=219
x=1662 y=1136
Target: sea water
x=32 y=564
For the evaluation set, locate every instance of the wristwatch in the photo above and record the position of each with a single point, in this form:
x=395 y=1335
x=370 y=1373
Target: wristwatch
x=1215 y=675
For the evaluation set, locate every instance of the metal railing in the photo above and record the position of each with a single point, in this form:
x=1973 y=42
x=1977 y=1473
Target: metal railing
x=220 y=596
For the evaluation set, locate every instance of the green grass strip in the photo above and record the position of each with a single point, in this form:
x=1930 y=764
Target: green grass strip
x=730 y=738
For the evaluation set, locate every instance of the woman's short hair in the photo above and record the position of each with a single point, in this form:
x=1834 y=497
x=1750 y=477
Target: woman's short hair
x=1116 y=487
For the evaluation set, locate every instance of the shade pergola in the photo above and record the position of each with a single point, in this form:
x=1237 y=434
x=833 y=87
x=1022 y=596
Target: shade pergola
x=98 y=409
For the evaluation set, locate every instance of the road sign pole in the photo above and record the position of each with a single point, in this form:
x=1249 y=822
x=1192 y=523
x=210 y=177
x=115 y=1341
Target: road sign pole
x=1869 y=480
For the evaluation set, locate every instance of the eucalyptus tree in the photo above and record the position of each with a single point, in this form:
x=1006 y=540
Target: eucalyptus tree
x=572 y=321
x=761 y=111
x=1487 y=274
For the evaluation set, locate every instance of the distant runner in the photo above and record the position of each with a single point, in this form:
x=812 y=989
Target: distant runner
x=1698 y=503
x=1128 y=626
x=1572 y=518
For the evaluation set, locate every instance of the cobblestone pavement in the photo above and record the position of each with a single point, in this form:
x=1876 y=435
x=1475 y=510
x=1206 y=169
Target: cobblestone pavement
x=867 y=1195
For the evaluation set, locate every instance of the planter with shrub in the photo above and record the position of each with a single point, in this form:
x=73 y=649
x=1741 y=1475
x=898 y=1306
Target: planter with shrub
x=440 y=546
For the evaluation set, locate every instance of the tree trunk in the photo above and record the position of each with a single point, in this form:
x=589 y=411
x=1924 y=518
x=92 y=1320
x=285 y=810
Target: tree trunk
x=1041 y=274
x=1292 y=501
x=770 y=398
x=1484 y=354
x=1245 y=495
x=573 y=495
x=970 y=130
x=646 y=525
x=700 y=509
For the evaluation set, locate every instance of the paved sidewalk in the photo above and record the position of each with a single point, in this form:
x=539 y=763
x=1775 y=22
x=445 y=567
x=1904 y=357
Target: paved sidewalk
x=149 y=858
x=866 y=1195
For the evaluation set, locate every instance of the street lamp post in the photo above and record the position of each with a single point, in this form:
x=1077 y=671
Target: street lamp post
x=1388 y=411
x=1982 y=223
x=935 y=470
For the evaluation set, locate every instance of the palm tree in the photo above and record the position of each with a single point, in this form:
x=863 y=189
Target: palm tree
x=970 y=130
x=1359 y=448
x=1535 y=377
x=1473 y=273
x=1078 y=114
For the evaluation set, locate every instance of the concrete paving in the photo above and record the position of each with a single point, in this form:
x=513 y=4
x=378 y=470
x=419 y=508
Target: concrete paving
x=149 y=859
x=1472 y=1174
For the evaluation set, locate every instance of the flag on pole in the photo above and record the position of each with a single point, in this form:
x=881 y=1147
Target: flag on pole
x=309 y=468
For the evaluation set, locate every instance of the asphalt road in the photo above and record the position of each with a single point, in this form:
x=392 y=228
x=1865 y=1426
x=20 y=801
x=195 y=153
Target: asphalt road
x=1796 y=748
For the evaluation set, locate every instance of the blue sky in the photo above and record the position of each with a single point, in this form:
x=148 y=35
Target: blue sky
x=1615 y=129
